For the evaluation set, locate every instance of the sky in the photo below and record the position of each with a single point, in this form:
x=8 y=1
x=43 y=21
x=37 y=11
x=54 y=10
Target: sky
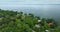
x=8 y=3
x=19 y=2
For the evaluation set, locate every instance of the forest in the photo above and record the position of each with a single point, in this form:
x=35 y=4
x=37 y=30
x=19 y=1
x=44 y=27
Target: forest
x=14 y=21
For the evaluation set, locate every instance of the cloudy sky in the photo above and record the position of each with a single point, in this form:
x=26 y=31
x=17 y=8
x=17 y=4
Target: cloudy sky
x=27 y=2
x=19 y=2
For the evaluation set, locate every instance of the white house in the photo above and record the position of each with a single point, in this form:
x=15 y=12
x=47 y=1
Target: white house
x=38 y=26
x=46 y=30
x=33 y=31
x=39 y=20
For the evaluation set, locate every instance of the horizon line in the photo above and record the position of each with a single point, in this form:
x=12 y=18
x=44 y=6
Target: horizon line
x=30 y=4
x=39 y=4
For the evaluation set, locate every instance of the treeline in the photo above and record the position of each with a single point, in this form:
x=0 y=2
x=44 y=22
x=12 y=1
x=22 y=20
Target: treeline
x=13 y=21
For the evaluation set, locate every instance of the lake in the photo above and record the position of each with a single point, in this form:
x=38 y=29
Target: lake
x=49 y=11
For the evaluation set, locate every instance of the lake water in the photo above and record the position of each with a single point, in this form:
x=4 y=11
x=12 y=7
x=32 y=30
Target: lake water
x=50 y=11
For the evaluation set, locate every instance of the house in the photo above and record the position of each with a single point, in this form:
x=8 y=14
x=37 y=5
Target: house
x=33 y=31
x=51 y=24
x=37 y=25
x=46 y=30
x=39 y=20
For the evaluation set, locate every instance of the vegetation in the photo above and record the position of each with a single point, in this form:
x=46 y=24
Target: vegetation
x=13 y=21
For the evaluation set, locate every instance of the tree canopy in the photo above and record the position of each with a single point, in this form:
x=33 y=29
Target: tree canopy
x=13 y=21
